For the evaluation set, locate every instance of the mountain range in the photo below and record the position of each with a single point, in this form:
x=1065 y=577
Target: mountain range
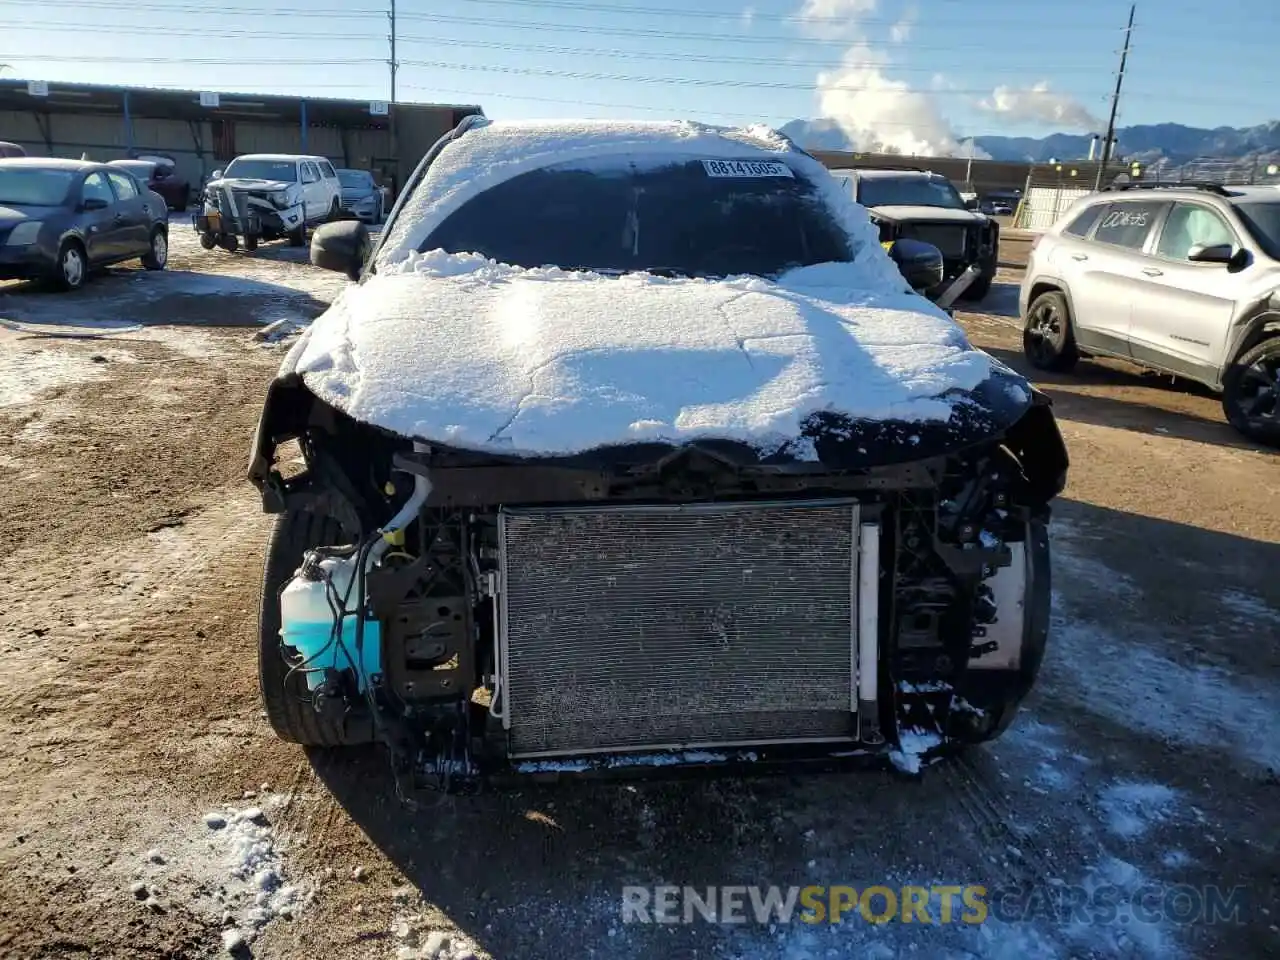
x=1172 y=142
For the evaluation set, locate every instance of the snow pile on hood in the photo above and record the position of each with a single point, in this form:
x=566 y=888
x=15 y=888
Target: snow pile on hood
x=488 y=155
x=462 y=350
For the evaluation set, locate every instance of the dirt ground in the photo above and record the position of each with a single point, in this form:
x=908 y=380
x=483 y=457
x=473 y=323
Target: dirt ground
x=1147 y=760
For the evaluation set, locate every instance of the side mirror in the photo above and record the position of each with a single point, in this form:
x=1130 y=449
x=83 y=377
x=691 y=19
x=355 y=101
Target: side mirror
x=93 y=203
x=216 y=175
x=1213 y=253
x=920 y=263
x=971 y=203
x=342 y=246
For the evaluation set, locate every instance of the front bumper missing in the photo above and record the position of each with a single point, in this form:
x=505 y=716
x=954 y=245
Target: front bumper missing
x=692 y=649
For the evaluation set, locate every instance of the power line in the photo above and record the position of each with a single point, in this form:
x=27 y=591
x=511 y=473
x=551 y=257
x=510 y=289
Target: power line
x=571 y=6
x=678 y=81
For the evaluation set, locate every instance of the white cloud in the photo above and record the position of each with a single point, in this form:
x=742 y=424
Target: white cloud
x=882 y=115
x=834 y=18
x=1039 y=104
x=748 y=17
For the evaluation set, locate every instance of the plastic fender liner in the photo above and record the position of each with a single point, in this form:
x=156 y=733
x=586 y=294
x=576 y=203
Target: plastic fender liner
x=285 y=414
x=1037 y=442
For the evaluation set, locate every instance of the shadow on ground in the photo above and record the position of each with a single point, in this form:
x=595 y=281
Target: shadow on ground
x=539 y=872
x=1139 y=408
x=123 y=298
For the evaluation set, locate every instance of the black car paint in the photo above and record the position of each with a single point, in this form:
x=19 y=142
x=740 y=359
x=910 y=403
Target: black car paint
x=120 y=231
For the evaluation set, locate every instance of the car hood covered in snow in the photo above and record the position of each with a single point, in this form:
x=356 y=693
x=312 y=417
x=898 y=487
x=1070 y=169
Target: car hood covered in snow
x=462 y=351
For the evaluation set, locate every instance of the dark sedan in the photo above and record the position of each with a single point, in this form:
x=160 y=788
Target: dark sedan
x=61 y=218
x=160 y=176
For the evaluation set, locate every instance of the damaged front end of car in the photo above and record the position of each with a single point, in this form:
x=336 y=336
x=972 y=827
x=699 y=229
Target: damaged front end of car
x=652 y=606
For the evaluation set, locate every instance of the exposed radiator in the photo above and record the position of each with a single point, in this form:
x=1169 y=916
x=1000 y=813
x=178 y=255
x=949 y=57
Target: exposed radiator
x=678 y=626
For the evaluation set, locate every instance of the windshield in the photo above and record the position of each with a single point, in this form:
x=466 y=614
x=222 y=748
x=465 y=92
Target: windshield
x=285 y=170
x=24 y=186
x=908 y=192
x=695 y=218
x=355 y=178
x=1263 y=221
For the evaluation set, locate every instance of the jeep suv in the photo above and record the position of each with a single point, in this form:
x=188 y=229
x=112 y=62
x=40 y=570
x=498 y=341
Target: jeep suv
x=922 y=205
x=1183 y=279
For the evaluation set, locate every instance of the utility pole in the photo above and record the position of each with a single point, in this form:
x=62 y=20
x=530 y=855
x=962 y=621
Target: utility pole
x=1115 y=102
x=391 y=109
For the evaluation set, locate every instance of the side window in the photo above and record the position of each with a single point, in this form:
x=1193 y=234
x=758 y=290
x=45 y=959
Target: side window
x=1084 y=221
x=1127 y=224
x=97 y=188
x=326 y=169
x=126 y=189
x=309 y=174
x=1191 y=225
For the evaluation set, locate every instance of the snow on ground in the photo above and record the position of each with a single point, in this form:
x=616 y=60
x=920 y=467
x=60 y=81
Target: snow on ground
x=1242 y=606
x=229 y=868
x=1122 y=677
x=459 y=349
x=1131 y=808
x=25 y=373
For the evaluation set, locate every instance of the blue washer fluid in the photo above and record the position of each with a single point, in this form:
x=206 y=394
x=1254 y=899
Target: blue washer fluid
x=306 y=624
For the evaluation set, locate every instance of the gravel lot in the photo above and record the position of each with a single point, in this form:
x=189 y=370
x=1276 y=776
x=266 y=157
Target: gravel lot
x=132 y=742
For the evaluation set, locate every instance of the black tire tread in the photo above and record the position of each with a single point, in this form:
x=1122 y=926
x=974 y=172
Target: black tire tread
x=289 y=711
x=1069 y=356
x=1267 y=436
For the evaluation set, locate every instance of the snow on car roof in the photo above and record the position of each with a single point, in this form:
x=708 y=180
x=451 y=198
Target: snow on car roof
x=493 y=152
x=457 y=349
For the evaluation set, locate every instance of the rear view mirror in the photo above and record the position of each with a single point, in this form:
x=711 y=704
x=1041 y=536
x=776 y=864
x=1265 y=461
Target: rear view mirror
x=920 y=263
x=1214 y=253
x=342 y=246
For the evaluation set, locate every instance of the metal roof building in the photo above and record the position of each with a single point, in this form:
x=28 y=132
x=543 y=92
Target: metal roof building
x=203 y=130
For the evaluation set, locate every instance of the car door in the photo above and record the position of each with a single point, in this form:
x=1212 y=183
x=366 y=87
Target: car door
x=1103 y=272
x=101 y=220
x=312 y=191
x=134 y=230
x=332 y=188
x=1181 y=322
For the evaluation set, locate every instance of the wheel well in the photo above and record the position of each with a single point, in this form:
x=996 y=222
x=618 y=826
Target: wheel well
x=1042 y=288
x=72 y=240
x=1267 y=331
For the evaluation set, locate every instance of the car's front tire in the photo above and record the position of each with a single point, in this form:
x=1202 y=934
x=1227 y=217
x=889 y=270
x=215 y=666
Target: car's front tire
x=1048 y=339
x=288 y=702
x=298 y=237
x=157 y=255
x=1251 y=393
x=72 y=266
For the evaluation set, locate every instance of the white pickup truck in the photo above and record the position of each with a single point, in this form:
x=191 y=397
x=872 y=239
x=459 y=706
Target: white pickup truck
x=266 y=196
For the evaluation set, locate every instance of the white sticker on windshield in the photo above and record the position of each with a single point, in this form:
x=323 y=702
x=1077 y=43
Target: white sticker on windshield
x=747 y=168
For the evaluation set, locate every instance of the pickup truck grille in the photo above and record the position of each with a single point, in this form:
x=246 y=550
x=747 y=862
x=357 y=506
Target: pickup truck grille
x=947 y=237
x=635 y=628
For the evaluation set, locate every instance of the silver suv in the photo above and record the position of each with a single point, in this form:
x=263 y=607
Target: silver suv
x=1183 y=279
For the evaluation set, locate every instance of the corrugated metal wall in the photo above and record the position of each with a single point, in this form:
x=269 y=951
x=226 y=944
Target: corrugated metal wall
x=193 y=145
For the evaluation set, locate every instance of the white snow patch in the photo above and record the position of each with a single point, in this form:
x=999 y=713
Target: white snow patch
x=229 y=867
x=462 y=350
x=1249 y=608
x=912 y=745
x=1113 y=672
x=1131 y=808
x=1176 y=859
x=26 y=374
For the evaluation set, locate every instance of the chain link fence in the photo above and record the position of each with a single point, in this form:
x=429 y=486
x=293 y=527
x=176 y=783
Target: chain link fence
x=1051 y=190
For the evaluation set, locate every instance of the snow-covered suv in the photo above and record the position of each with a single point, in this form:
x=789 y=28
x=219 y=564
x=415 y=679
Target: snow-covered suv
x=267 y=196
x=1180 y=279
x=631 y=448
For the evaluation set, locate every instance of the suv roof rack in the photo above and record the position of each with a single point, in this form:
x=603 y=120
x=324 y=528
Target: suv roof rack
x=1206 y=185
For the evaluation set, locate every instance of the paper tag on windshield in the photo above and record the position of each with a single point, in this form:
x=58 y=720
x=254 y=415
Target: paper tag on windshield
x=747 y=168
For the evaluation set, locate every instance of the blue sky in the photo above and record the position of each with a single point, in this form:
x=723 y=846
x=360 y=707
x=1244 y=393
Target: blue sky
x=922 y=69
